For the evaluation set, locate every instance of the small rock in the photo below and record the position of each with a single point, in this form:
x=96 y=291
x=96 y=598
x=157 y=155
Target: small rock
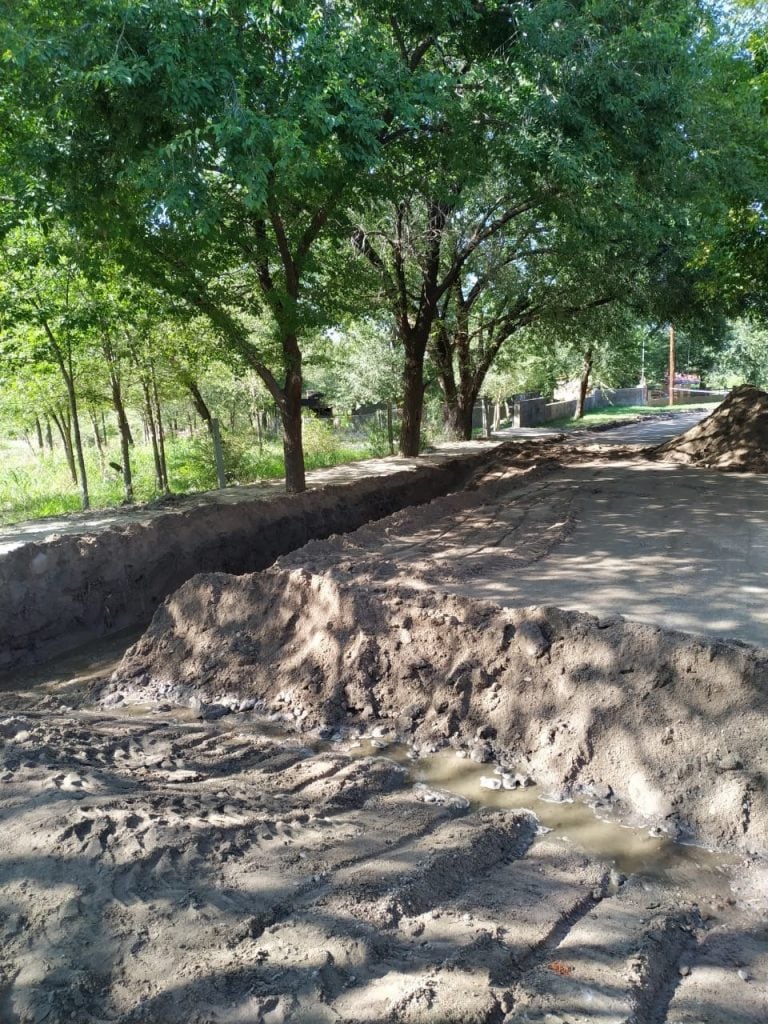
x=730 y=763
x=531 y=640
x=212 y=712
x=684 y=971
x=248 y=704
x=488 y=782
x=744 y=975
x=481 y=753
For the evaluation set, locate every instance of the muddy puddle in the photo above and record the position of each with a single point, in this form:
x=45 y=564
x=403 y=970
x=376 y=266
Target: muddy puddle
x=446 y=775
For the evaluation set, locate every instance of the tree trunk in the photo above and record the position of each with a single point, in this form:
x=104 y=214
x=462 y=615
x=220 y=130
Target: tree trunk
x=165 y=485
x=125 y=434
x=390 y=430
x=39 y=431
x=460 y=415
x=48 y=434
x=65 y=432
x=413 y=396
x=149 y=421
x=97 y=434
x=78 y=439
x=586 y=369
x=293 y=450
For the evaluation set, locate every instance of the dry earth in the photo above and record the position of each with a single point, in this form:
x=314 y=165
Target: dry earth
x=186 y=860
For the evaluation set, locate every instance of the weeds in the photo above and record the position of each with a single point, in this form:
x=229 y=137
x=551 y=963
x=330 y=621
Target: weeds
x=36 y=485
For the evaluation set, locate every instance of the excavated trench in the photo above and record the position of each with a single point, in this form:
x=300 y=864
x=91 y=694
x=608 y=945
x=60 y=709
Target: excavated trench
x=62 y=592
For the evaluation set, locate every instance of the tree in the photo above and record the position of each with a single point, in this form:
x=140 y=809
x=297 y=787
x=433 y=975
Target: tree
x=217 y=143
x=583 y=138
x=46 y=303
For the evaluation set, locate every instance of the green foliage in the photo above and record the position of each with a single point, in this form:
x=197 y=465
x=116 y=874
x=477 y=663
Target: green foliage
x=744 y=358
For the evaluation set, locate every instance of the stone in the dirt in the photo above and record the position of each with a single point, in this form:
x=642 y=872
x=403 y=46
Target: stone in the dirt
x=531 y=640
x=489 y=782
x=212 y=712
x=481 y=753
x=730 y=763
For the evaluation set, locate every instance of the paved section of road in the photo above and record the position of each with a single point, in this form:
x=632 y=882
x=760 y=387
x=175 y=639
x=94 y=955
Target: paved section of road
x=651 y=431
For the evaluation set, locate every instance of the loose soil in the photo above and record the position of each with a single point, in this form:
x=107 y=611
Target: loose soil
x=733 y=437
x=162 y=866
x=668 y=729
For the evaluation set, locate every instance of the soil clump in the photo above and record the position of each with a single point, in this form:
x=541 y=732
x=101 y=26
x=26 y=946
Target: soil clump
x=733 y=437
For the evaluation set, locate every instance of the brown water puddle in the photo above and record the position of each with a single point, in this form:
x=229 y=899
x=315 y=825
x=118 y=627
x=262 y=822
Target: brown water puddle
x=631 y=851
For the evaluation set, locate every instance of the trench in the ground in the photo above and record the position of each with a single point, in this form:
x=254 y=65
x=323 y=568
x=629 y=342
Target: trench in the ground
x=443 y=774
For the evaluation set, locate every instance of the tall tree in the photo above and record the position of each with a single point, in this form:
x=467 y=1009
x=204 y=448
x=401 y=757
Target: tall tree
x=592 y=128
x=218 y=143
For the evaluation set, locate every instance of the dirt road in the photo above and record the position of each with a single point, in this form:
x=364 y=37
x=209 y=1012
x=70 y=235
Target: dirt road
x=681 y=547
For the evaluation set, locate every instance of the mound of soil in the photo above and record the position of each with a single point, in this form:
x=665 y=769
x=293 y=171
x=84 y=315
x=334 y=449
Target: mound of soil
x=733 y=437
x=666 y=728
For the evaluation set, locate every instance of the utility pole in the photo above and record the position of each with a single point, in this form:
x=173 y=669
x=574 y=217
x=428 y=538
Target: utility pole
x=671 y=364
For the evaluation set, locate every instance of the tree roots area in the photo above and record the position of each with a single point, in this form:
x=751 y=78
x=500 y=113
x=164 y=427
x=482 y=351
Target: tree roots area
x=501 y=757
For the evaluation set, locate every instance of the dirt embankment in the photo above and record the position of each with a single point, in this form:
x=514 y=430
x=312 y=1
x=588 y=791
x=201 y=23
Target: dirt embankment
x=58 y=594
x=734 y=437
x=665 y=728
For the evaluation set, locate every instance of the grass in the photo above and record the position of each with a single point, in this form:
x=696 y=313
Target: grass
x=618 y=413
x=34 y=485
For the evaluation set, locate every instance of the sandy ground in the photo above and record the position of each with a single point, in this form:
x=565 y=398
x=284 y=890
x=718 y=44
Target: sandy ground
x=677 y=546
x=171 y=863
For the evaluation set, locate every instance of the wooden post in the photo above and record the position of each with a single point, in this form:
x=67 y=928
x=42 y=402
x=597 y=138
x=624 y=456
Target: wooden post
x=671 y=364
x=218 y=453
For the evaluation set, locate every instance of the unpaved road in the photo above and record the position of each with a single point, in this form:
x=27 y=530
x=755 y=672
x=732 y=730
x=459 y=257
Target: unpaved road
x=680 y=547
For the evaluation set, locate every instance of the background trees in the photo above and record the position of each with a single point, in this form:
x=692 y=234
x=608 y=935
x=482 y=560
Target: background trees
x=468 y=184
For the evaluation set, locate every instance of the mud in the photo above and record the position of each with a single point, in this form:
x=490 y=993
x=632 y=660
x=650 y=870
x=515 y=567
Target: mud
x=228 y=830
x=57 y=594
x=158 y=866
x=733 y=437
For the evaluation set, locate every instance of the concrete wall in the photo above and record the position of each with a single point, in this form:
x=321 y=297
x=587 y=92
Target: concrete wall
x=536 y=411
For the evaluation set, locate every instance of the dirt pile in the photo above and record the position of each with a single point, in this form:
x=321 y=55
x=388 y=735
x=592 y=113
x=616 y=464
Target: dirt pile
x=733 y=437
x=664 y=728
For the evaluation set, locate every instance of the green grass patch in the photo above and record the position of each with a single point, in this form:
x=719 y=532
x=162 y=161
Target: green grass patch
x=619 y=413
x=34 y=485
